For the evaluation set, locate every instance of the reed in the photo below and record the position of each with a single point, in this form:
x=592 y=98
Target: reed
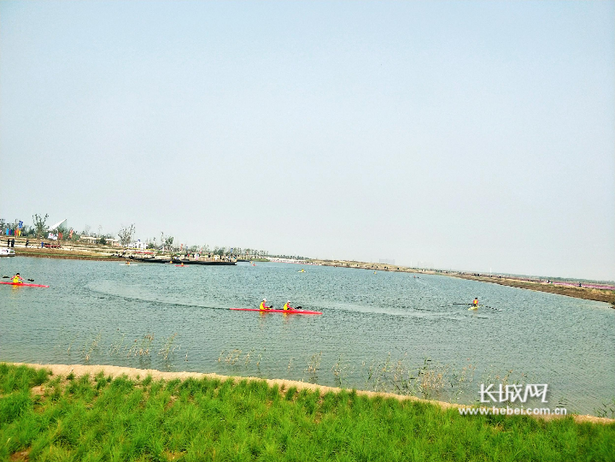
x=142 y=346
x=313 y=366
x=397 y=374
x=607 y=409
x=90 y=347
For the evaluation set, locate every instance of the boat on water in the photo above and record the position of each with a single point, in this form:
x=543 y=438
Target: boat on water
x=7 y=253
x=278 y=311
x=22 y=284
x=185 y=262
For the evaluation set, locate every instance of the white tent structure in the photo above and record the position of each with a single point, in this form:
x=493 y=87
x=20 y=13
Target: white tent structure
x=56 y=226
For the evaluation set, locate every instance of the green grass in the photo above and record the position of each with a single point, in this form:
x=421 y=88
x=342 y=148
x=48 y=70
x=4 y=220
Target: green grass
x=97 y=418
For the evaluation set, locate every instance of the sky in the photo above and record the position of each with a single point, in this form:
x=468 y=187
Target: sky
x=476 y=136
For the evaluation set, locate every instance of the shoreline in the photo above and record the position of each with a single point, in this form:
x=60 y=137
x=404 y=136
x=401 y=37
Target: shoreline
x=79 y=370
x=585 y=293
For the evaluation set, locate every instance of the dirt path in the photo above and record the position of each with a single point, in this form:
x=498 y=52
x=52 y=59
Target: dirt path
x=63 y=370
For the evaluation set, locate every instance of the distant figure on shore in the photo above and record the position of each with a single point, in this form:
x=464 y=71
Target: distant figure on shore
x=475 y=302
x=264 y=306
x=17 y=279
x=287 y=306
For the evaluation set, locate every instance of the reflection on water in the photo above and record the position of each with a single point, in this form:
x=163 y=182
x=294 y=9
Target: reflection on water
x=386 y=331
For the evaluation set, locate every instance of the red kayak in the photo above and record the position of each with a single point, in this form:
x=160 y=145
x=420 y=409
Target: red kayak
x=278 y=311
x=21 y=284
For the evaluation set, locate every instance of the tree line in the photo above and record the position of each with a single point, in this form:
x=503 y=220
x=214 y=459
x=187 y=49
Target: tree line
x=39 y=229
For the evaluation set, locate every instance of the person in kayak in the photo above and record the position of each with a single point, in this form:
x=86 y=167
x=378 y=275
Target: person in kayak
x=264 y=306
x=17 y=279
x=475 y=302
x=287 y=306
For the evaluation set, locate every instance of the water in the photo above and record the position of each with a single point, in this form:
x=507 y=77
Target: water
x=169 y=318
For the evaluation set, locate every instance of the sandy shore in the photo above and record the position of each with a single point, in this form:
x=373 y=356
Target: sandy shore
x=63 y=370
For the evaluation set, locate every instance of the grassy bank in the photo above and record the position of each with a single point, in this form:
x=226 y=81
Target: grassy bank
x=46 y=417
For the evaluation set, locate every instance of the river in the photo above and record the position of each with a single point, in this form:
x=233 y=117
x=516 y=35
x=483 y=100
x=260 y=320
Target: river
x=378 y=331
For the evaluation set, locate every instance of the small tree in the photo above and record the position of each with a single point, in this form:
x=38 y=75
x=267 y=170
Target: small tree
x=27 y=231
x=63 y=229
x=126 y=233
x=40 y=224
x=166 y=241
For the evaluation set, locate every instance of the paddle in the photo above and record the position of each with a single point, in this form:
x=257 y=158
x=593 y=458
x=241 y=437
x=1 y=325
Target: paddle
x=464 y=304
x=494 y=309
x=9 y=277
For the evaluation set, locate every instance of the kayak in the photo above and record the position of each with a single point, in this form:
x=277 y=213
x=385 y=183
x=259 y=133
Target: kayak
x=21 y=284
x=278 y=311
x=180 y=266
x=473 y=308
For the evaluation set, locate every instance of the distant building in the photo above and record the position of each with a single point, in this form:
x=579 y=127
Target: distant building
x=387 y=261
x=138 y=245
x=88 y=239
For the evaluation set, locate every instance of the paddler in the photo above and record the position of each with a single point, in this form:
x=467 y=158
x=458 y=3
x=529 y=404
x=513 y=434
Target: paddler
x=264 y=306
x=475 y=302
x=287 y=306
x=17 y=279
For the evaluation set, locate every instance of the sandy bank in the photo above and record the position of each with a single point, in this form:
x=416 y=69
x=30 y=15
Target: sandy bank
x=64 y=370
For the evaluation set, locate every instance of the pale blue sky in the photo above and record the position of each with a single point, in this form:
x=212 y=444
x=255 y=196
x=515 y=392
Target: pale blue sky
x=466 y=135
